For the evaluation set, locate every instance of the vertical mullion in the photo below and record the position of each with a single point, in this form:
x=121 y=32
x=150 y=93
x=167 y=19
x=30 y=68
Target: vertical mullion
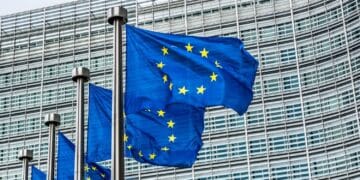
x=89 y=38
x=42 y=83
x=349 y=62
x=237 y=19
x=245 y=114
x=153 y=15
x=300 y=89
x=170 y=29
x=27 y=79
x=185 y=17
x=202 y=17
x=262 y=87
x=11 y=85
x=136 y=14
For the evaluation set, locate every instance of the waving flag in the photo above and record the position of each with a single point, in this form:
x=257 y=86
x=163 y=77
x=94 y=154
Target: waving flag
x=99 y=124
x=145 y=126
x=199 y=71
x=37 y=174
x=66 y=161
x=170 y=80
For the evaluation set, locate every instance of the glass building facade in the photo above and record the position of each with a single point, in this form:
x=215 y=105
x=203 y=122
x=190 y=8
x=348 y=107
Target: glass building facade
x=303 y=122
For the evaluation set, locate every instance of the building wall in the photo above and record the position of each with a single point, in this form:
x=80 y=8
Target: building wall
x=303 y=122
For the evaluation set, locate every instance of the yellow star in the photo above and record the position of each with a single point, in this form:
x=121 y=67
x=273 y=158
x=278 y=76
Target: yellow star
x=88 y=178
x=170 y=123
x=93 y=168
x=140 y=154
x=129 y=147
x=189 y=47
x=172 y=138
x=201 y=90
x=161 y=113
x=86 y=168
x=165 y=51
x=183 y=90
x=165 y=148
x=152 y=156
x=102 y=175
x=213 y=77
x=217 y=64
x=125 y=138
x=160 y=65
x=204 y=53
x=165 y=78
x=170 y=86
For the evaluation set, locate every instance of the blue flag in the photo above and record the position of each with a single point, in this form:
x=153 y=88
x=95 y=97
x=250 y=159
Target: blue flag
x=167 y=137
x=170 y=81
x=149 y=136
x=66 y=161
x=66 y=158
x=99 y=124
x=162 y=69
x=37 y=174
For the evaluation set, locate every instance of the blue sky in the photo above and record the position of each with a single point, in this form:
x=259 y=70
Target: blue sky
x=13 y=6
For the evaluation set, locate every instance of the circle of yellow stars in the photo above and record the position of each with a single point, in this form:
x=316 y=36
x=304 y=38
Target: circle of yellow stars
x=200 y=90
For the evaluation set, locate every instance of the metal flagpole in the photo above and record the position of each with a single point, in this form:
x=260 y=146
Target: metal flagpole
x=52 y=120
x=80 y=75
x=25 y=155
x=117 y=16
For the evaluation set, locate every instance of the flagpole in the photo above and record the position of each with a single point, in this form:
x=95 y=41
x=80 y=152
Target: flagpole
x=52 y=120
x=25 y=155
x=80 y=75
x=117 y=16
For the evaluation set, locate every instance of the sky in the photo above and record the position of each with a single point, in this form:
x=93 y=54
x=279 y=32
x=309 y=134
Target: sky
x=14 y=6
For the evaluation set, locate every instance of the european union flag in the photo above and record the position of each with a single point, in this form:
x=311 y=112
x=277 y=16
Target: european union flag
x=66 y=158
x=170 y=80
x=66 y=161
x=37 y=174
x=169 y=137
x=99 y=124
x=153 y=136
x=199 y=71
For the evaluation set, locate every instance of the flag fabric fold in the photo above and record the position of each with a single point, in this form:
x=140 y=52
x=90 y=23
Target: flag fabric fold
x=66 y=158
x=170 y=140
x=66 y=163
x=37 y=174
x=170 y=80
x=99 y=124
